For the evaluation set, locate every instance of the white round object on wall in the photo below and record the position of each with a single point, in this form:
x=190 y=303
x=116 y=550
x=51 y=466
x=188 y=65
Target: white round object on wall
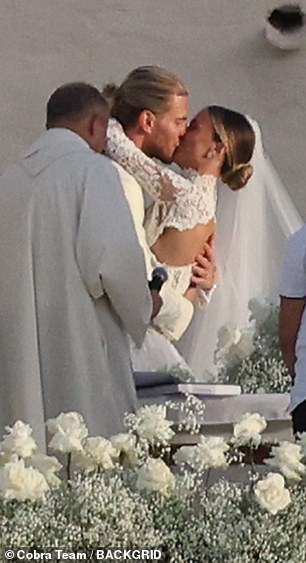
x=285 y=27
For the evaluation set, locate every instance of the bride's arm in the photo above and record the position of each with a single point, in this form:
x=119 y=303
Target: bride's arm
x=160 y=182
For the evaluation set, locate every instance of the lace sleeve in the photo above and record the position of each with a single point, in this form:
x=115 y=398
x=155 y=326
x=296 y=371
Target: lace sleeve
x=161 y=183
x=197 y=207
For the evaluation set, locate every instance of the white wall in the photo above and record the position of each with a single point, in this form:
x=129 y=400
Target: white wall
x=217 y=46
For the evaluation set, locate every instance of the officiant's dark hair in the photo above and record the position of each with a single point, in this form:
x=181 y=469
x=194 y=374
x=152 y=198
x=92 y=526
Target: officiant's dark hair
x=73 y=101
x=145 y=88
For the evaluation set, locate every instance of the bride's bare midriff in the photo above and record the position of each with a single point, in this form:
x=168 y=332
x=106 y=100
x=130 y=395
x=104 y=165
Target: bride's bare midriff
x=178 y=248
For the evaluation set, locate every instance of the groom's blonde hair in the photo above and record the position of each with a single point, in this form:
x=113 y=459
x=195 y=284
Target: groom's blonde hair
x=145 y=88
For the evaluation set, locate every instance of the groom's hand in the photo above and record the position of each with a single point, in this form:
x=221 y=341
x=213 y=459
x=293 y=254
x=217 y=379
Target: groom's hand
x=205 y=270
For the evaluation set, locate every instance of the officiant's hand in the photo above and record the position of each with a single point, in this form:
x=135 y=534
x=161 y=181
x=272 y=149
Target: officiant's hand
x=205 y=270
x=157 y=302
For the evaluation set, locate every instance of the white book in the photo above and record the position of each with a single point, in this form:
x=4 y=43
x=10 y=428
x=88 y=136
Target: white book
x=203 y=389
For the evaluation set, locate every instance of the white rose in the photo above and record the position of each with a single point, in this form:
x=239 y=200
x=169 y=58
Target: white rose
x=287 y=459
x=244 y=348
x=271 y=493
x=152 y=425
x=19 y=440
x=227 y=336
x=209 y=453
x=22 y=483
x=68 y=422
x=125 y=445
x=185 y=454
x=97 y=452
x=69 y=431
x=48 y=466
x=260 y=310
x=155 y=475
x=248 y=430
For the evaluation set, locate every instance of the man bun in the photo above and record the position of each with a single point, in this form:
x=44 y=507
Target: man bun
x=238 y=177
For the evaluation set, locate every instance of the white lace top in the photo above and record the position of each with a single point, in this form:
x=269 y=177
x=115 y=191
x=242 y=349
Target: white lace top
x=185 y=199
x=182 y=198
x=196 y=206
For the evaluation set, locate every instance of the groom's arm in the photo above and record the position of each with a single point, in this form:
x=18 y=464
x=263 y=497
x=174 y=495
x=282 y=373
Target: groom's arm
x=175 y=314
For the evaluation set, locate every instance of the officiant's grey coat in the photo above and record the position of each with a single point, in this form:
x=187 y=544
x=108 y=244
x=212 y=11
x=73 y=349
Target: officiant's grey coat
x=72 y=283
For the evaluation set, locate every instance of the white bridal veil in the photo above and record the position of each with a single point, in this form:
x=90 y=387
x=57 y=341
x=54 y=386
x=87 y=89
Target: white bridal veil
x=252 y=227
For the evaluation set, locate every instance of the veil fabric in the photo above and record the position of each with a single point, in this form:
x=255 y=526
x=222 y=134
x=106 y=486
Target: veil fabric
x=253 y=225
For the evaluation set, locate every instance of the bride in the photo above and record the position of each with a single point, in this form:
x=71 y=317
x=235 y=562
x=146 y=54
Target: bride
x=253 y=226
x=177 y=230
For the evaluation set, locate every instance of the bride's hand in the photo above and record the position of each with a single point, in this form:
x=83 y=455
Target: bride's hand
x=213 y=161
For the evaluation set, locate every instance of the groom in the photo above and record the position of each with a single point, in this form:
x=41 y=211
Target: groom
x=152 y=106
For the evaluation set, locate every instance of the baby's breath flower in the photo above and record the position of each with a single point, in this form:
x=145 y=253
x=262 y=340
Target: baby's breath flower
x=255 y=361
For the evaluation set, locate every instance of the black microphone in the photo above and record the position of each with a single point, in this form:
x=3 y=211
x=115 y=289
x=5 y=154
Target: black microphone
x=159 y=277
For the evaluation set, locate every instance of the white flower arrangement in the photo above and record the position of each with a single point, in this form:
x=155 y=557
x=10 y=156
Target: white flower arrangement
x=69 y=430
x=252 y=358
x=126 y=491
x=20 y=482
x=18 y=440
x=248 y=431
x=208 y=454
x=287 y=458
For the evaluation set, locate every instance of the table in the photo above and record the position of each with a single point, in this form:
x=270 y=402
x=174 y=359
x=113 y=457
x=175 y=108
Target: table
x=221 y=413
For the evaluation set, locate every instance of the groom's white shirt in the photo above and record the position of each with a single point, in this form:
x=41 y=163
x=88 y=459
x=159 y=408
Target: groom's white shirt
x=176 y=311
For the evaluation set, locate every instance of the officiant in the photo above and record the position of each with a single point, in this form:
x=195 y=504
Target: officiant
x=73 y=277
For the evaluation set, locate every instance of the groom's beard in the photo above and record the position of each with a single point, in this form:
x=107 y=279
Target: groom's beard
x=157 y=150
x=159 y=153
